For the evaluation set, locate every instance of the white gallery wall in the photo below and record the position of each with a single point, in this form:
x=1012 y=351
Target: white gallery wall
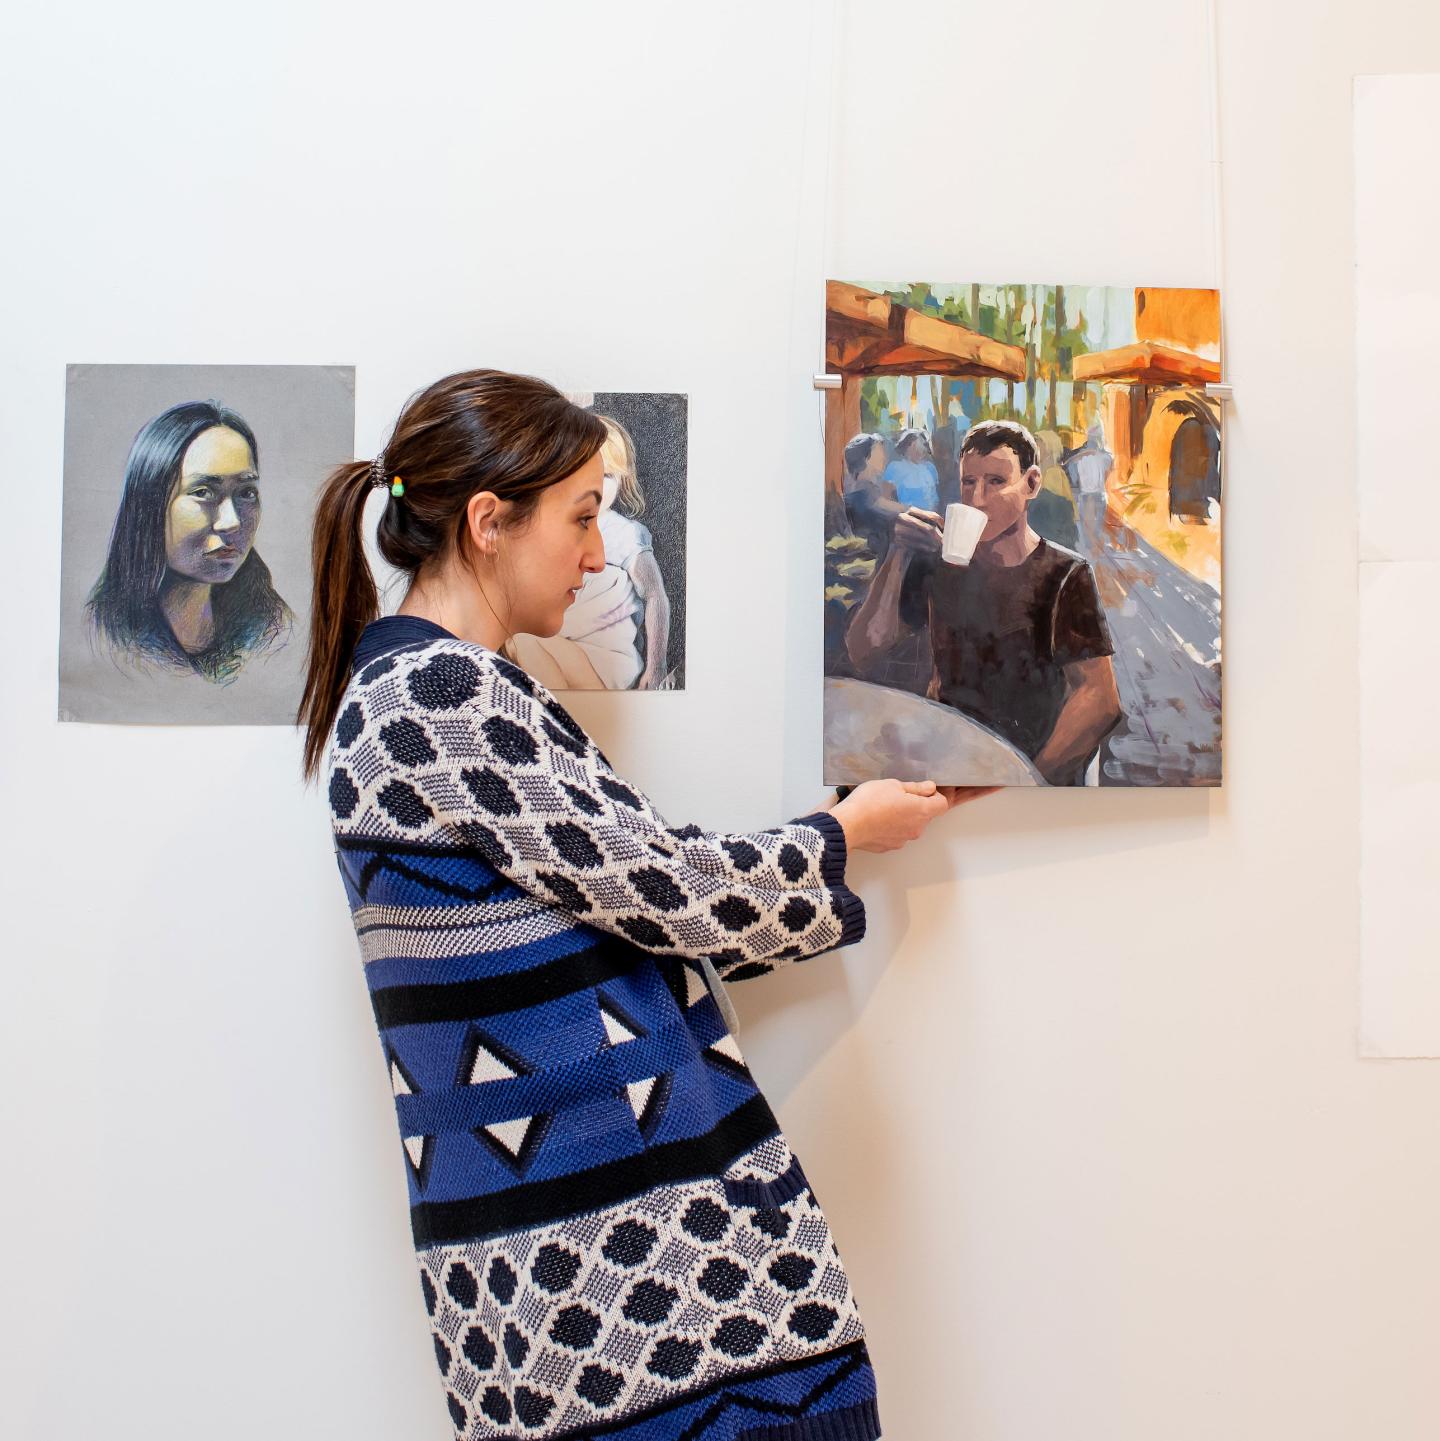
x=1085 y=1108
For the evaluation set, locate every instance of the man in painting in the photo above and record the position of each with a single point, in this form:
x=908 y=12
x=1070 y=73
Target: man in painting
x=1089 y=467
x=1018 y=637
x=182 y=584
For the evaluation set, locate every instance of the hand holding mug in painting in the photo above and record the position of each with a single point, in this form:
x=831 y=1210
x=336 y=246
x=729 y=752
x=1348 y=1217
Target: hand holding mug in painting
x=964 y=525
x=918 y=530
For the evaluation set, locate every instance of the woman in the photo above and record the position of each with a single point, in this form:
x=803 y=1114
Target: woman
x=182 y=584
x=599 y=643
x=611 y=1228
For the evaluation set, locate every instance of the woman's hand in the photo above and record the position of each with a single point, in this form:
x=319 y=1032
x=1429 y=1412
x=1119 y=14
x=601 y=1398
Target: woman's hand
x=958 y=795
x=885 y=815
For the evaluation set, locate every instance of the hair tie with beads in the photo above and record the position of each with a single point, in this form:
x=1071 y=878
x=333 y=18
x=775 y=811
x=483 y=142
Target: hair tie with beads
x=377 y=476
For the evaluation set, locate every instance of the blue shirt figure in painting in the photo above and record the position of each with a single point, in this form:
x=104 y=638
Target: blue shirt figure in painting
x=913 y=472
x=613 y=1234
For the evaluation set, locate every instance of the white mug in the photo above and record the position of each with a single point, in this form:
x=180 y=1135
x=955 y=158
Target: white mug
x=963 y=527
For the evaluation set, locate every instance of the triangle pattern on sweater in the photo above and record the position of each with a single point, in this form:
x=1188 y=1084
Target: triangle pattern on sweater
x=484 y=1058
x=648 y=1096
x=418 y=1149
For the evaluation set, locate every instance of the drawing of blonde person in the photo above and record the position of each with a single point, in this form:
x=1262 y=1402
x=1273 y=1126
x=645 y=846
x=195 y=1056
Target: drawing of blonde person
x=615 y=635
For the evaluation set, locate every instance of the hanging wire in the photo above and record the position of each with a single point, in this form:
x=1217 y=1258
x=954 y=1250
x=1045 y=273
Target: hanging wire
x=826 y=22
x=1217 y=186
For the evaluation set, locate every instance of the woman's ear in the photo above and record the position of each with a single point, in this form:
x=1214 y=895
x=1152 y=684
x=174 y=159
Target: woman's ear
x=482 y=520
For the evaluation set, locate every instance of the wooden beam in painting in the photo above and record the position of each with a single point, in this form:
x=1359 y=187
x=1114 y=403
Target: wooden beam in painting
x=983 y=355
x=870 y=334
x=842 y=425
x=1148 y=362
x=864 y=308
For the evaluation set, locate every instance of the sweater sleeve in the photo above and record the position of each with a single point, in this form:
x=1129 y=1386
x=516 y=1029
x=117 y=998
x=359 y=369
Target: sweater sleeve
x=457 y=746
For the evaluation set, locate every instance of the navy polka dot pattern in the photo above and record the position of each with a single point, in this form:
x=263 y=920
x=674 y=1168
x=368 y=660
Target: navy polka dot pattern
x=448 y=743
x=511 y=742
x=403 y=803
x=565 y=891
x=350 y=724
x=481 y=838
x=445 y=681
x=582 y=798
x=561 y=738
x=491 y=790
x=407 y=742
x=647 y=933
x=677 y=1289
x=343 y=795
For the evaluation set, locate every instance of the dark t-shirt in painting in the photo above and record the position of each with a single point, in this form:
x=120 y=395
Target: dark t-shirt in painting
x=1001 y=636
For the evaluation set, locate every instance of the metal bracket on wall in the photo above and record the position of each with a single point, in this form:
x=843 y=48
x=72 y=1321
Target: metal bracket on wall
x=826 y=382
x=1220 y=392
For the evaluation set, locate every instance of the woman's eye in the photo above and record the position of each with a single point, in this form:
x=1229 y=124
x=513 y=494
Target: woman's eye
x=202 y=492
x=585 y=521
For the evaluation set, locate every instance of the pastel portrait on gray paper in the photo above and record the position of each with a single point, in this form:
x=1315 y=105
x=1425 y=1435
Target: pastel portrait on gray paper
x=188 y=497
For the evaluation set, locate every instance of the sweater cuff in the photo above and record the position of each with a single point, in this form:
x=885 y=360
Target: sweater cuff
x=836 y=853
x=852 y=915
x=848 y=906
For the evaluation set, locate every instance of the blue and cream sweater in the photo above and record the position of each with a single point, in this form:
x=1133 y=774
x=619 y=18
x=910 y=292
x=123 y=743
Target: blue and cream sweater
x=614 y=1237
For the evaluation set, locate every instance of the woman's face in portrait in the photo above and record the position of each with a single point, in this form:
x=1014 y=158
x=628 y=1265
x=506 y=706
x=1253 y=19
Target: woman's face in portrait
x=214 y=508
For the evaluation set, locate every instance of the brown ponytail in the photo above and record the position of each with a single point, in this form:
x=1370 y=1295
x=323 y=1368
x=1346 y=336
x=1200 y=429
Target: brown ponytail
x=514 y=435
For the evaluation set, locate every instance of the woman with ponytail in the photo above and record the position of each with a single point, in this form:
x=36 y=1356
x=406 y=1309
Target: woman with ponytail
x=611 y=1228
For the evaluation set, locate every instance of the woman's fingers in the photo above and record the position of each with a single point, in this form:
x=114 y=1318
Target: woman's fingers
x=954 y=795
x=958 y=795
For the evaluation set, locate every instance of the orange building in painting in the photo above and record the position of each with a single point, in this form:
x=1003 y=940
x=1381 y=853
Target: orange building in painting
x=1163 y=428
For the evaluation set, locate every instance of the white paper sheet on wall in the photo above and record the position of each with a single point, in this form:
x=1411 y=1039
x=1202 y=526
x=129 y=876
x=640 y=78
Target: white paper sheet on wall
x=1399 y=802
x=1397 y=210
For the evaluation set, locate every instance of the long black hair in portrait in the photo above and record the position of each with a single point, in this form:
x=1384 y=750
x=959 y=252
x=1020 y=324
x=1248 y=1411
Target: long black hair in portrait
x=124 y=604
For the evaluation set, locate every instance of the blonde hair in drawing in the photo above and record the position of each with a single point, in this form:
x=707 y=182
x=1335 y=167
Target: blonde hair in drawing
x=618 y=454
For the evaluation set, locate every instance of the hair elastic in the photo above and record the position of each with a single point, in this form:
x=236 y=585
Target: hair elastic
x=378 y=477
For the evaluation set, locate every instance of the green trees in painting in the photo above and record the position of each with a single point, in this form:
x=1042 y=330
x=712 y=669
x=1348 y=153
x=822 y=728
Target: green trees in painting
x=1036 y=318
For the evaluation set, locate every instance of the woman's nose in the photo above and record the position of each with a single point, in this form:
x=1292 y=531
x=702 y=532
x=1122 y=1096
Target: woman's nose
x=595 y=557
x=227 y=518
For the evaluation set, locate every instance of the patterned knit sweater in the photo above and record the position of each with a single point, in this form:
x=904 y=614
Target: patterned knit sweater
x=614 y=1237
